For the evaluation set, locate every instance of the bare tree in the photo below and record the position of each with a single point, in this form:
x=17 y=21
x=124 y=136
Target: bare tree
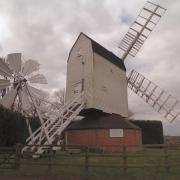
x=58 y=98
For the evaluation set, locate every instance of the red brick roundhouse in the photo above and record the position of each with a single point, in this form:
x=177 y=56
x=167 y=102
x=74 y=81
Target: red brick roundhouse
x=109 y=132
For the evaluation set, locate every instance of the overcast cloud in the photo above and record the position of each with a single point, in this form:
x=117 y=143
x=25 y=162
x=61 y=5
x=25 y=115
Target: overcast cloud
x=46 y=30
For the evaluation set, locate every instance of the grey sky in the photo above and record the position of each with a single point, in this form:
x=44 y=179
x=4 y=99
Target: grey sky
x=46 y=30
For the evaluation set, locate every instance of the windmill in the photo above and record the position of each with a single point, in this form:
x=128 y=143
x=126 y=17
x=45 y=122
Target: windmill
x=16 y=80
x=96 y=79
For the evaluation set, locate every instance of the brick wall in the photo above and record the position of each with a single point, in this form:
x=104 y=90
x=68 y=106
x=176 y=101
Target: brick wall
x=101 y=137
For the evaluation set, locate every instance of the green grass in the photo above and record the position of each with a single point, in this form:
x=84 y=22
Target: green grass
x=146 y=165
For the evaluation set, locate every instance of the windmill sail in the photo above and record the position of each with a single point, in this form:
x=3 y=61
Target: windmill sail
x=4 y=69
x=26 y=105
x=8 y=100
x=4 y=83
x=141 y=29
x=160 y=100
x=14 y=61
x=37 y=93
x=30 y=66
x=38 y=78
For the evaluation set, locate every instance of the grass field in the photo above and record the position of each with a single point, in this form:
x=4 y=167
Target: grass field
x=155 y=164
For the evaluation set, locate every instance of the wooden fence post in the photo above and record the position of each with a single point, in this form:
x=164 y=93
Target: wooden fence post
x=50 y=159
x=17 y=157
x=166 y=160
x=86 y=158
x=124 y=160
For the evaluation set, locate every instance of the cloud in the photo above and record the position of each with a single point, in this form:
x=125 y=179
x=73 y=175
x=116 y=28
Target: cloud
x=126 y=18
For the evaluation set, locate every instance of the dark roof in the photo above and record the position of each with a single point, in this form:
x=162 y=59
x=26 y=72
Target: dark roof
x=104 y=53
x=103 y=121
x=145 y=121
x=108 y=55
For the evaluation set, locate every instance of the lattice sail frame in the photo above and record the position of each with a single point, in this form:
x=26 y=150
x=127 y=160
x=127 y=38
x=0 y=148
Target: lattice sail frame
x=140 y=30
x=160 y=100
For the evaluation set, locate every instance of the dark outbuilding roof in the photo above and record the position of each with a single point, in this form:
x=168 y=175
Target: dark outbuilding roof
x=108 y=55
x=103 y=121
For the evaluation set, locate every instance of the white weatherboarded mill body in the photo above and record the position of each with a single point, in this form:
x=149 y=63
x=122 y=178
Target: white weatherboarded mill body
x=100 y=74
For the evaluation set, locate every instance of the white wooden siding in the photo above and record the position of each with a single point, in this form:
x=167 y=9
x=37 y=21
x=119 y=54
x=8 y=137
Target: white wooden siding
x=76 y=71
x=110 y=87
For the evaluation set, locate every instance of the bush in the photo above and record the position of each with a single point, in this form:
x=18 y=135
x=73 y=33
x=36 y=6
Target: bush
x=152 y=131
x=13 y=128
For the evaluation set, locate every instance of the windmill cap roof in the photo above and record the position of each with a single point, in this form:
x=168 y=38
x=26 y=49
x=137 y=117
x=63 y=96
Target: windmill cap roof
x=103 y=121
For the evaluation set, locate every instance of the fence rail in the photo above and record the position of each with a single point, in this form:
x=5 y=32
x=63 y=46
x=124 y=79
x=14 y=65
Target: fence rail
x=164 y=157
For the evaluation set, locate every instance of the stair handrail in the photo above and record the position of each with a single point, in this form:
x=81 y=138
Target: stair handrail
x=64 y=107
